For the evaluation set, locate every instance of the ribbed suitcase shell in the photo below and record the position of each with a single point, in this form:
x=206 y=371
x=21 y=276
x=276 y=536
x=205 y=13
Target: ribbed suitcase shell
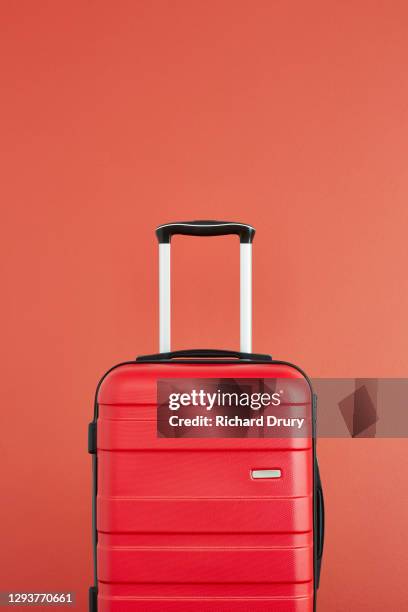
x=181 y=525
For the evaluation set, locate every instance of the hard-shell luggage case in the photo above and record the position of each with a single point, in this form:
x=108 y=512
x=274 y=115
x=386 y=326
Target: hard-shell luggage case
x=217 y=515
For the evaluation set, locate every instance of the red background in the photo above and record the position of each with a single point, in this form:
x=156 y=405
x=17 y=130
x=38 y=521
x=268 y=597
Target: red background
x=117 y=116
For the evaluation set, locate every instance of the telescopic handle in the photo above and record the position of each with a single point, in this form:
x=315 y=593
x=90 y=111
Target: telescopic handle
x=206 y=228
x=165 y=232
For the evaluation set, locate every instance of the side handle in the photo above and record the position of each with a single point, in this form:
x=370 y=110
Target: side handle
x=320 y=525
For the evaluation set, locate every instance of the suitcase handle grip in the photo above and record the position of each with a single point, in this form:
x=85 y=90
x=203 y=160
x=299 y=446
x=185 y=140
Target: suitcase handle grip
x=320 y=521
x=206 y=228
x=165 y=232
x=320 y=524
x=205 y=354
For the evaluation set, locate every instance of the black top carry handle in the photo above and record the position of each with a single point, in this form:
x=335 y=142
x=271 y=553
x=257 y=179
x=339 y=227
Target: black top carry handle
x=205 y=228
x=205 y=354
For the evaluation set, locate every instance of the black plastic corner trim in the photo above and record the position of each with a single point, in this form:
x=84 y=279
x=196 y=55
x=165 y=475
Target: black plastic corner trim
x=93 y=599
x=204 y=354
x=92 y=438
x=245 y=232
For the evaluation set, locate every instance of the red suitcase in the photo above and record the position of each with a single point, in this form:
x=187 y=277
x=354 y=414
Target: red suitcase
x=207 y=493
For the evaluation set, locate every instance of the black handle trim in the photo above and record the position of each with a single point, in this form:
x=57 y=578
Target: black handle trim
x=205 y=228
x=204 y=354
x=92 y=445
x=320 y=525
x=320 y=522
